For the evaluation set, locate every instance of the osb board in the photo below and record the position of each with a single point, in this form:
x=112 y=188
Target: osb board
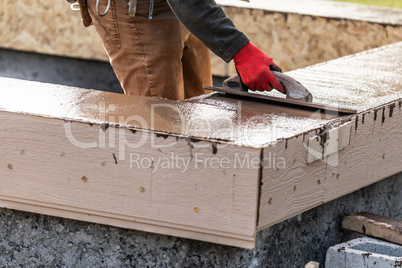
x=299 y=39
x=136 y=179
x=315 y=33
x=49 y=27
x=324 y=8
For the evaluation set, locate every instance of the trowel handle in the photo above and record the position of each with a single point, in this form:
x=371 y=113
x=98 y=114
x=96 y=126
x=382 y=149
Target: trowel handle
x=235 y=82
x=294 y=90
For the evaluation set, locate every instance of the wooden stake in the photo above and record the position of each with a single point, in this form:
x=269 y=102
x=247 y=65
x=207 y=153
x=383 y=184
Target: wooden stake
x=374 y=225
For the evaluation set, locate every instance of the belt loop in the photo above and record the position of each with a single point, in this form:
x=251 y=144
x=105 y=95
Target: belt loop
x=151 y=9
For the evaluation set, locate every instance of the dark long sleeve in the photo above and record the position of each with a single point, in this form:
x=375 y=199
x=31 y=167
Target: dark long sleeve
x=207 y=21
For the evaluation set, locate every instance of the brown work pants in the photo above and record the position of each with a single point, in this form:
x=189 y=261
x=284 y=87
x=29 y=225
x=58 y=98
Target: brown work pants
x=155 y=57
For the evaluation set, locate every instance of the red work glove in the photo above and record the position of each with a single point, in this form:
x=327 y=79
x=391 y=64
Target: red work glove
x=255 y=67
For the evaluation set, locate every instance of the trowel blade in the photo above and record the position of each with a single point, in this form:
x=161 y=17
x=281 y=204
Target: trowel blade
x=282 y=101
x=294 y=90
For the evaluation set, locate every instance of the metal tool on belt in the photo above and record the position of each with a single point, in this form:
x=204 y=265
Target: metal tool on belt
x=82 y=6
x=296 y=94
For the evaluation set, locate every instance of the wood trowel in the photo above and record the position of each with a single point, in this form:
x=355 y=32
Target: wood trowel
x=296 y=94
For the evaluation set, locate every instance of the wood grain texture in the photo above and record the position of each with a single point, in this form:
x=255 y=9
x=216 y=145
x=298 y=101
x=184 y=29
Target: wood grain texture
x=374 y=225
x=45 y=168
x=374 y=153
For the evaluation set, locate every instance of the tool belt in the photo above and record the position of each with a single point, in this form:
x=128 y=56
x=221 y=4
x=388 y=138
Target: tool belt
x=86 y=18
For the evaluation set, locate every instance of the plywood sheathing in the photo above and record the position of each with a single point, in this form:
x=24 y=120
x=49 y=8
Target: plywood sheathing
x=295 y=33
x=301 y=33
x=329 y=9
x=48 y=27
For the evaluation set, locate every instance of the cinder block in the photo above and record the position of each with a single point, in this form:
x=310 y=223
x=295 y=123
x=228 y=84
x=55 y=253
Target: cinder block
x=364 y=252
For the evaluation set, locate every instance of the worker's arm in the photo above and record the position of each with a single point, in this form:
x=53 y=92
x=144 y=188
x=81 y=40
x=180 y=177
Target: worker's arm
x=206 y=20
x=210 y=24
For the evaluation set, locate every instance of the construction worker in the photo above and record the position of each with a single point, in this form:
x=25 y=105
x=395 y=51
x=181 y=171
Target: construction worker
x=155 y=49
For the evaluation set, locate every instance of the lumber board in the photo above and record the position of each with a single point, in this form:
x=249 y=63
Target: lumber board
x=374 y=225
x=374 y=153
x=46 y=169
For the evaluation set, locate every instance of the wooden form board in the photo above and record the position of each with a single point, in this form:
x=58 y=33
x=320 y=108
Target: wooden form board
x=373 y=153
x=119 y=160
x=152 y=188
x=374 y=225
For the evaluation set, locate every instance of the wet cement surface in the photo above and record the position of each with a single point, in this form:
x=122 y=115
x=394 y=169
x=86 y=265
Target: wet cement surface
x=214 y=117
x=362 y=82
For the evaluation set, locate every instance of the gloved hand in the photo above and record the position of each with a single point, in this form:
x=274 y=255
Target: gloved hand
x=254 y=68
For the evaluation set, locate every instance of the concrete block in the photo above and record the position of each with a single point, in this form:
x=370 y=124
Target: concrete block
x=364 y=252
